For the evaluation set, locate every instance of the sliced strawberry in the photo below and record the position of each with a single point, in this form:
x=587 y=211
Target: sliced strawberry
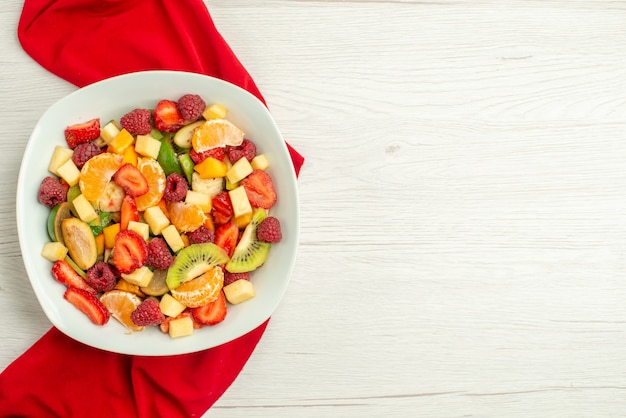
x=221 y=208
x=197 y=157
x=89 y=304
x=129 y=178
x=128 y=212
x=226 y=237
x=260 y=189
x=82 y=132
x=165 y=325
x=212 y=313
x=167 y=118
x=129 y=251
x=63 y=273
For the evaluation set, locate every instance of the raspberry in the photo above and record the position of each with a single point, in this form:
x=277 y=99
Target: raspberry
x=137 y=122
x=246 y=149
x=83 y=152
x=198 y=157
x=51 y=192
x=200 y=235
x=176 y=188
x=269 y=230
x=191 y=106
x=159 y=255
x=233 y=277
x=101 y=277
x=147 y=313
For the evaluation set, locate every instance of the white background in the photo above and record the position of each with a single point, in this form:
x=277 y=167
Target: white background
x=462 y=203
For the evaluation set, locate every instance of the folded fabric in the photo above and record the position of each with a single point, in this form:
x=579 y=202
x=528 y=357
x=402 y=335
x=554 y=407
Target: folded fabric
x=84 y=41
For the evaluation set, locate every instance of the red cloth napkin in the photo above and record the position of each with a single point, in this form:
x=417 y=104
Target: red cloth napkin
x=84 y=41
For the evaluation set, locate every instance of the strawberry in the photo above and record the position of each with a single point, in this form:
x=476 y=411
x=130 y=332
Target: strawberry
x=82 y=132
x=129 y=178
x=260 y=189
x=226 y=236
x=128 y=212
x=129 y=251
x=167 y=118
x=63 y=273
x=221 y=208
x=197 y=157
x=212 y=313
x=89 y=304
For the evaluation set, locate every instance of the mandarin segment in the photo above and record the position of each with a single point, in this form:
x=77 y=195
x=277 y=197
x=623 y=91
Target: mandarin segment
x=201 y=290
x=121 y=305
x=216 y=133
x=185 y=217
x=97 y=173
x=155 y=175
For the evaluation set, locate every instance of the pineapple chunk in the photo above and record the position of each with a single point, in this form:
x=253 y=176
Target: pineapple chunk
x=202 y=200
x=140 y=277
x=109 y=132
x=147 y=146
x=142 y=228
x=239 y=291
x=170 y=306
x=173 y=238
x=83 y=208
x=59 y=157
x=181 y=327
x=54 y=251
x=69 y=172
x=260 y=162
x=240 y=202
x=156 y=219
x=239 y=170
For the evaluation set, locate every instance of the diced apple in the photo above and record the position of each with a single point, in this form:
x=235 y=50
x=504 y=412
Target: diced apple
x=147 y=146
x=260 y=162
x=54 y=251
x=239 y=291
x=239 y=170
x=156 y=219
x=181 y=327
x=109 y=132
x=140 y=277
x=239 y=200
x=170 y=306
x=202 y=200
x=69 y=172
x=173 y=238
x=84 y=209
x=142 y=228
x=59 y=157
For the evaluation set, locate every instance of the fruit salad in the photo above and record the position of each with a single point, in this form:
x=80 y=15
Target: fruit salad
x=159 y=218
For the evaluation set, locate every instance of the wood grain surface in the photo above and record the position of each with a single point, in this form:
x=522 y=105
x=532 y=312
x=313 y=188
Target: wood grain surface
x=462 y=203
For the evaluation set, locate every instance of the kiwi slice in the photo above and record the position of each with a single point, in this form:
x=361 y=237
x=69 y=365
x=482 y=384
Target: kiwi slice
x=157 y=285
x=250 y=253
x=167 y=158
x=186 y=163
x=192 y=261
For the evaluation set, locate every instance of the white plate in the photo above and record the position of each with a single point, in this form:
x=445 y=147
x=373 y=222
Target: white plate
x=111 y=99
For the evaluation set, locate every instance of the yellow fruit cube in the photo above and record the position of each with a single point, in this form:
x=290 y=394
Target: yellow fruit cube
x=54 y=251
x=121 y=141
x=202 y=200
x=69 y=172
x=173 y=238
x=140 y=277
x=147 y=146
x=170 y=306
x=260 y=162
x=110 y=232
x=142 y=228
x=181 y=327
x=84 y=209
x=156 y=219
x=239 y=201
x=211 y=168
x=215 y=111
x=109 y=132
x=59 y=157
x=239 y=291
x=239 y=170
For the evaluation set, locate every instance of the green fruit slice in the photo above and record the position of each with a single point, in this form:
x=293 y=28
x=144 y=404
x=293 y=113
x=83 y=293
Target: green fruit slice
x=77 y=269
x=63 y=212
x=192 y=261
x=186 y=163
x=51 y=216
x=250 y=253
x=183 y=136
x=72 y=194
x=167 y=158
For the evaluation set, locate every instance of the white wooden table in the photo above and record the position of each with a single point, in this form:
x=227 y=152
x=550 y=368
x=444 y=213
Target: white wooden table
x=463 y=206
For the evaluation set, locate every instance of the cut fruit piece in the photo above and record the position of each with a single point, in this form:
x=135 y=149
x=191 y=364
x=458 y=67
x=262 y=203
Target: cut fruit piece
x=110 y=232
x=111 y=198
x=64 y=273
x=216 y=133
x=167 y=158
x=155 y=175
x=167 y=118
x=148 y=146
x=170 y=306
x=182 y=138
x=186 y=164
x=122 y=140
x=209 y=186
x=173 y=238
x=62 y=212
x=69 y=172
x=129 y=287
x=60 y=156
x=239 y=171
x=260 y=189
x=215 y=111
x=193 y=261
x=54 y=251
x=156 y=219
x=132 y=180
x=80 y=242
x=109 y=132
x=260 y=162
x=84 y=209
x=250 y=253
x=239 y=291
x=82 y=132
x=202 y=200
x=211 y=168
x=212 y=313
x=143 y=229
x=181 y=327
x=185 y=217
x=129 y=252
x=157 y=285
x=97 y=173
x=139 y=277
x=89 y=304
x=226 y=237
x=239 y=201
x=121 y=305
x=128 y=212
x=201 y=290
